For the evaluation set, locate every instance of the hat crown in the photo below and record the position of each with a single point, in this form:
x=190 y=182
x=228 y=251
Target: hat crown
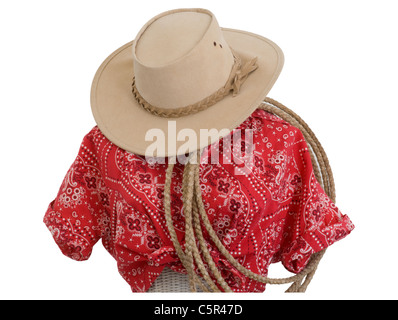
x=171 y=37
x=181 y=57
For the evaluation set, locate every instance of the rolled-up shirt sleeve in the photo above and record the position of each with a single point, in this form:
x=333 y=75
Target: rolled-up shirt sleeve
x=74 y=216
x=314 y=221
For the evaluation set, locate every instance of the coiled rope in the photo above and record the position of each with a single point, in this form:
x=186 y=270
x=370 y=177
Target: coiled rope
x=195 y=215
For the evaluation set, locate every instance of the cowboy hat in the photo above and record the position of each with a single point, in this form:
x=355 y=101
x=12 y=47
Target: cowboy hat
x=182 y=72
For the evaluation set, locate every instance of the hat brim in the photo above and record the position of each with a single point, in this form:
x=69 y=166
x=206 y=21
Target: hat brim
x=126 y=123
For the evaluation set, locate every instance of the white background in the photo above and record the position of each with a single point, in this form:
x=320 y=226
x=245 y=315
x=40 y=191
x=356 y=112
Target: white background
x=340 y=76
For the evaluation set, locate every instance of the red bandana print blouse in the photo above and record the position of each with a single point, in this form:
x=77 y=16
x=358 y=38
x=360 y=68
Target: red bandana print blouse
x=278 y=212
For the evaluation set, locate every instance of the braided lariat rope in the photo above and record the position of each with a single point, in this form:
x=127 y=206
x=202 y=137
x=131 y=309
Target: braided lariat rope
x=195 y=216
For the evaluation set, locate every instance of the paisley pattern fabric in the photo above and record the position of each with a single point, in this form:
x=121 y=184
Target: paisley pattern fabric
x=276 y=213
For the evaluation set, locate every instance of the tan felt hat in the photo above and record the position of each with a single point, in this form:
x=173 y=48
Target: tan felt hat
x=182 y=84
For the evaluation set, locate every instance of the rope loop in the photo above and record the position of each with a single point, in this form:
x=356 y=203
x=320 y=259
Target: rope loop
x=195 y=216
